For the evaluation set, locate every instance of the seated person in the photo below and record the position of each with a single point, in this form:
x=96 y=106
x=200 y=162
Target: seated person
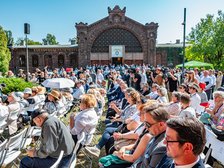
x=186 y=109
x=218 y=109
x=162 y=92
x=155 y=122
x=86 y=120
x=55 y=137
x=54 y=105
x=133 y=98
x=80 y=90
x=174 y=107
x=185 y=141
x=153 y=94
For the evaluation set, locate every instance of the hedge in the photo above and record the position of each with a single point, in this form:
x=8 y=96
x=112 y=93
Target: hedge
x=14 y=84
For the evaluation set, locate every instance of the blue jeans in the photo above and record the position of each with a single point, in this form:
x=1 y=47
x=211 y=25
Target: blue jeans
x=106 y=136
x=35 y=162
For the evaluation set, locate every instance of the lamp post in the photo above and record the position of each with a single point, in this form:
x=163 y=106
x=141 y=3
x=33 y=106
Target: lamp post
x=27 y=31
x=184 y=34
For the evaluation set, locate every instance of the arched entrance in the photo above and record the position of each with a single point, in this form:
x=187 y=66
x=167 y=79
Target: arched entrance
x=113 y=41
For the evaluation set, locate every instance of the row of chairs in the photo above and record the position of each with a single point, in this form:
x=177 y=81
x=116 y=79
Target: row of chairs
x=10 y=149
x=73 y=159
x=215 y=148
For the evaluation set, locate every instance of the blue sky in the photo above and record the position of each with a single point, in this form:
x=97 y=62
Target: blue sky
x=58 y=17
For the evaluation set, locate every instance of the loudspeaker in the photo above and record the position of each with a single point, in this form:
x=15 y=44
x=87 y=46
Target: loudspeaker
x=26 y=28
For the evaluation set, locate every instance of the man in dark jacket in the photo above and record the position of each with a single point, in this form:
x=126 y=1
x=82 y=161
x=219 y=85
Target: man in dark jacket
x=185 y=140
x=55 y=137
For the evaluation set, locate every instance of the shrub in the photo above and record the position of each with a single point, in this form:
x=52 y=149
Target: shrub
x=14 y=84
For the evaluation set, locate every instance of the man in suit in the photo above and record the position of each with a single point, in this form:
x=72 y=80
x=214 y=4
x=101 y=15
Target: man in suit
x=185 y=140
x=155 y=122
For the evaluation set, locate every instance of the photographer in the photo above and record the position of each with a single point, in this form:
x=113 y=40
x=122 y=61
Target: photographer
x=159 y=77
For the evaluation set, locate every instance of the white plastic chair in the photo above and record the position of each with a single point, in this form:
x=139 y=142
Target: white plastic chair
x=27 y=139
x=56 y=164
x=12 y=121
x=3 y=124
x=13 y=148
x=2 y=151
x=218 y=150
x=74 y=153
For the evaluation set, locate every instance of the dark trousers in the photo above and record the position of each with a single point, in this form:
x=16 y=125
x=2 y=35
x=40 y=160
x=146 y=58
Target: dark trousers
x=35 y=162
x=75 y=138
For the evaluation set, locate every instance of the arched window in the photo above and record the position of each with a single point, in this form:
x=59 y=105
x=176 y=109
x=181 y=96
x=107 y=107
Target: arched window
x=116 y=36
x=48 y=60
x=22 y=60
x=73 y=59
x=61 y=60
x=35 y=61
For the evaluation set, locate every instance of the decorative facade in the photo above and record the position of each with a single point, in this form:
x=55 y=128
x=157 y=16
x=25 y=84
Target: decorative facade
x=96 y=43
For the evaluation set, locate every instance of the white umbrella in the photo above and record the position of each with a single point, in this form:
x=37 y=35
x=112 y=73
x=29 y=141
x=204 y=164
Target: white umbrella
x=58 y=83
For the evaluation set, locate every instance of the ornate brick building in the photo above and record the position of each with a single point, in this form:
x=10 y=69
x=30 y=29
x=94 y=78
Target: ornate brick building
x=115 y=39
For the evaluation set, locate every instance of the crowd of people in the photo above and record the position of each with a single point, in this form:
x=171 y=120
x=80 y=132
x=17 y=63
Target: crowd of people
x=155 y=116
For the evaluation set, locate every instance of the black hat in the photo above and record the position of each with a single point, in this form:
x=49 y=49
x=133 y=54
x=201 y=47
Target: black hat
x=37 y=112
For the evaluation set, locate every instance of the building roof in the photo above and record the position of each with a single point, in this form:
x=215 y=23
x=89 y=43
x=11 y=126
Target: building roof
x=172 y=45
x=47 y=46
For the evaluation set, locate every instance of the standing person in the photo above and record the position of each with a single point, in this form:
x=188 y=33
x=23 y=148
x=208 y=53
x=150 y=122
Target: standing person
x=159 y=77
x=185 y=140
x=172 y=82
x=55 y=138
x=137 y=79
x=218 y=80
x=195 y=98
x=208 y=80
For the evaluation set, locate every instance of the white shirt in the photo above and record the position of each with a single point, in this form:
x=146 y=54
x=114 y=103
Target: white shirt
x=188 y=112
x=208 y=81
x=86 y=121
x=4 y=112
x=78 y=92
x=99 y=77
x=195 y=102
x=189 y=165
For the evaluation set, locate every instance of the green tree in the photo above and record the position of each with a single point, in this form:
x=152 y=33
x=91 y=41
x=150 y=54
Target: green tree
x=207 y=39
x=73 y=40
x=9 y=37
x=5 y=54
x=21 y=41
x=50 y=40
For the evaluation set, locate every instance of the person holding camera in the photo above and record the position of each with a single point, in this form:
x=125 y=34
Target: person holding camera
x=158 y=79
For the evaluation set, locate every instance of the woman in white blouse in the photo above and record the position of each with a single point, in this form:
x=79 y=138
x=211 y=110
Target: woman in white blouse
x=85 y=120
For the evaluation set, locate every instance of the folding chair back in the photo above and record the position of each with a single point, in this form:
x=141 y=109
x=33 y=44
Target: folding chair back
x=13 y=115
x=2 y=151
x=15 y=142
x=74 y=153
x=56 y=164
x=218 y=150
x=13 y=147
x=27 y=135
x=3 y=124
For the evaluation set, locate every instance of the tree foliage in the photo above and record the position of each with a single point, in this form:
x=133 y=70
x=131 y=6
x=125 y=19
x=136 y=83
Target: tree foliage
x=14 y=84
x=5 y=54
x=21 y=41
x=50 y=40
x=10 y=41
x=207 y=40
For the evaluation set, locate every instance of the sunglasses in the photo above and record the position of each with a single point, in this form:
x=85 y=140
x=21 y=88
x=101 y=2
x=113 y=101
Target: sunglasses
x=148 y=125
x=177 y=141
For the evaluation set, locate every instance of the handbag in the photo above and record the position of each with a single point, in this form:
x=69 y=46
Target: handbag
x=123 y=142
x=205 y=118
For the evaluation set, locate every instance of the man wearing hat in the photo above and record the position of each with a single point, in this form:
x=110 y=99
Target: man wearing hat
x=195 y=98
x=55 y=137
